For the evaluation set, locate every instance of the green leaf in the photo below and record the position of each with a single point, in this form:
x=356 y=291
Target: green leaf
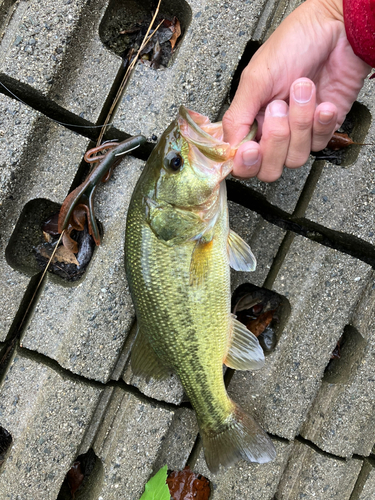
x=156 y=488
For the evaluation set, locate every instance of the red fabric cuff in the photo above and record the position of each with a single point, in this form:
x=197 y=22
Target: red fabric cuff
x=359 y=18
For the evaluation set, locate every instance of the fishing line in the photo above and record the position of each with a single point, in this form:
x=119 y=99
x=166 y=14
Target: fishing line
x=52 y=119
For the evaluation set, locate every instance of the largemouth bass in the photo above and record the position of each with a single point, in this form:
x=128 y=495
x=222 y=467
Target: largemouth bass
x=178 y=251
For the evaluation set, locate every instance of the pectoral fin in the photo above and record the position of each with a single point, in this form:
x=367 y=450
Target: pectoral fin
x=144 y=361
x=244 y=350
x=241 y=258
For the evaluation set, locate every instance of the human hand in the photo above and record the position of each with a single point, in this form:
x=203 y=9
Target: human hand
x=309 y=64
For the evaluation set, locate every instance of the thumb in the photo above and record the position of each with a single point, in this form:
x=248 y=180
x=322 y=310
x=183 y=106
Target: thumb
x=252 y=95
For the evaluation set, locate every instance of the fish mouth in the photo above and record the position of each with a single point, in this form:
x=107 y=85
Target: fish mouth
x=208 y=151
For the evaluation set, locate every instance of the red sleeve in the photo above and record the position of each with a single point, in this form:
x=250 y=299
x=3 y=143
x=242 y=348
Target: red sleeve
x=359 y=18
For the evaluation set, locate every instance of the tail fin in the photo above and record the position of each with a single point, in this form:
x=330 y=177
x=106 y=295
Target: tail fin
x=238 y=437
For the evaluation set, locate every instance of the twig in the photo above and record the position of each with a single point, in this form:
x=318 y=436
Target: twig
x=130 y=68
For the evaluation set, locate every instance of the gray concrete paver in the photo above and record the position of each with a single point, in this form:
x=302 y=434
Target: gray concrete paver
x=47 y=414
x=264 y=240
x=133 y=441
x=313 y=475
x=341 y=420
x=40 y=161
x=365 y=486
x=54 y=48
x=344 y=198
x=199 y=76
x=245 y=480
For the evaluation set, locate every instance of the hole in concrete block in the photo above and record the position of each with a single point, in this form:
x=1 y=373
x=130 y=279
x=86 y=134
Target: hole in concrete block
x=5 y=443
x=249 y=51
x=28 y=251
x=263 y=311
x=127 y=20
x=356 y=125
x=346 y=354
x=27 y=235
x=84 y=478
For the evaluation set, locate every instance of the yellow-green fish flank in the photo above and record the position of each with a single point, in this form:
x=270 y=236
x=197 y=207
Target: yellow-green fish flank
x=178 y=251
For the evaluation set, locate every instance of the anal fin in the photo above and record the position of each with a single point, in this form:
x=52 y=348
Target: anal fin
x=144 y=361
x=241 y=258
x=244 y=350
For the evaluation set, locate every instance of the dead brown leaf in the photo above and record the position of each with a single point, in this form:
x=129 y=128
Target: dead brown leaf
x=62 y=254
x=176 y=33
x=47 y=237
x=75 y=477
x=259 y=324
x=186 y=485
x=340 y=140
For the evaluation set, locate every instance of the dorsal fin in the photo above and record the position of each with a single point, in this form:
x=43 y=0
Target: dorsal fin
x=244 y=350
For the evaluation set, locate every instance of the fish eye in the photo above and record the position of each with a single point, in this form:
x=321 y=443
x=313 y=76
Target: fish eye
x=173 y=161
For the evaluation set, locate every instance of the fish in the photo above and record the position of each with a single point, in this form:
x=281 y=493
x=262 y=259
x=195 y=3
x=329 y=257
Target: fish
x=178 y=253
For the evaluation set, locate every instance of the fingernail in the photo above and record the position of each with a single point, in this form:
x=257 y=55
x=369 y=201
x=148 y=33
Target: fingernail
x=302 y=91
x=277 y=109
x=325 y=117
x=250 y=157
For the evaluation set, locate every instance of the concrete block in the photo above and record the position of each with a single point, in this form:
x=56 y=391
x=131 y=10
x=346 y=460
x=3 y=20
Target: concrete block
x=179 y=441
x=87 y=323
x=54 y=49
x=313 y=475
x=365 y=486
x=321 y=286
x=47 y=414
x=247 y=480
x=284 y=192
x=344 y=198
x=341 y=420
x=201 y=72
x=264 y=239
x=40 y=161
x=133 y=442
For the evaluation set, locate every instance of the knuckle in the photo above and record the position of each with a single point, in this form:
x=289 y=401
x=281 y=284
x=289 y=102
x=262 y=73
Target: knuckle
x=296 y=160
x=301 y=123
x=269 y=175
x=277 y=134
x=319 y=143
